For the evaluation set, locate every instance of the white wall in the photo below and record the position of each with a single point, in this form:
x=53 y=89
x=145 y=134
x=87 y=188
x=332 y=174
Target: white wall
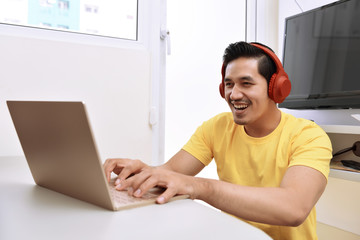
x=200 y=31
x=107 y=79
x=264 y=21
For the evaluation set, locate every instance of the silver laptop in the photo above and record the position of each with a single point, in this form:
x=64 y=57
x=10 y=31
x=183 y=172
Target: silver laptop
x=61 y=152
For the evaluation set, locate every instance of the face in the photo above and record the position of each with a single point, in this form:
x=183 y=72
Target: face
x=246 y=92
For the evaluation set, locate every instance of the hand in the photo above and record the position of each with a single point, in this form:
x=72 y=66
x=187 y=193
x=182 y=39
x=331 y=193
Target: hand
x=123 y=168
x=175 y=183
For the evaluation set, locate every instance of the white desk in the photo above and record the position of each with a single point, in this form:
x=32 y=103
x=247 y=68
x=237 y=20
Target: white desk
x=28 y=211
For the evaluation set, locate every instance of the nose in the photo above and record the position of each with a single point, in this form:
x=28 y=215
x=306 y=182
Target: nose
x=236 y=93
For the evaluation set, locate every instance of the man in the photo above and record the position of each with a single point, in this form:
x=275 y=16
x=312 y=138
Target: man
x=272 y=166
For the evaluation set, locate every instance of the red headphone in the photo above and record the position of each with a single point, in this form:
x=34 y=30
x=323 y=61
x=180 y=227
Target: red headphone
x=279 y=85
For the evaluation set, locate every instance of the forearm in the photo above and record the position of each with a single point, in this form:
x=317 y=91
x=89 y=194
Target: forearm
x=275 y=206
x=184 y=163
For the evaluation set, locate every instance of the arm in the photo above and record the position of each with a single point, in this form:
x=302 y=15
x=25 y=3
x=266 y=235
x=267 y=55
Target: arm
x=289 y=204
x=185 y=163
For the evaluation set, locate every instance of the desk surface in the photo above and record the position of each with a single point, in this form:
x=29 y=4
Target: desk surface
x=28 y=211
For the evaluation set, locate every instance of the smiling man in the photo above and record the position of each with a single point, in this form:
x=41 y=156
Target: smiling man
x=246 y=94
x=272 y=166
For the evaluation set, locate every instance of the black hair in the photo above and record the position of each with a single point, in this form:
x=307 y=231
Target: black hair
x=266 y=66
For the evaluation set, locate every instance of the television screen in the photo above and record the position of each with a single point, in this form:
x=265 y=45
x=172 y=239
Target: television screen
x=322 y=57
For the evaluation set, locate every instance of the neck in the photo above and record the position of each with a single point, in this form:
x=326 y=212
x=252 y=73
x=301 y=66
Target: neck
x=264 y=126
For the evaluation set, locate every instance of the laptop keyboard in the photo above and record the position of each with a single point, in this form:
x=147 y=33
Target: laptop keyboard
x=122 y=198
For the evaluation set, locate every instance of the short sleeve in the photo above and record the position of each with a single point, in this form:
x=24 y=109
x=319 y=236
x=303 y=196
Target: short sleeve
x=200 y=143
x=312 y=148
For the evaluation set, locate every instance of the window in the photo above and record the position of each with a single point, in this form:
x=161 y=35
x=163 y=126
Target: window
x=15 y=34
x=111 y=18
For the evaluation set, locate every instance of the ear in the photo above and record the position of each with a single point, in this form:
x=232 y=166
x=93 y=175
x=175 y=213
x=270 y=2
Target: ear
x=222 y=90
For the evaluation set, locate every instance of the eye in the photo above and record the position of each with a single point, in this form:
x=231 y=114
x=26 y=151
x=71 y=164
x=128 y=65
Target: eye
x=247 y=83
x=228 y=84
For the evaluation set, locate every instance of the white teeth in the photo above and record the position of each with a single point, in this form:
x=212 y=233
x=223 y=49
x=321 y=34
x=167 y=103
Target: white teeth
x=240 y=106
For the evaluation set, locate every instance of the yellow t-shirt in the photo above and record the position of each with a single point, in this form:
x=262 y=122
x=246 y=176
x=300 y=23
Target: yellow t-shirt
x=262 y=162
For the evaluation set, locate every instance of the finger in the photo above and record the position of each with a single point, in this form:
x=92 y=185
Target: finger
x=117 y=165
x=125 y=173
x=131 y=182
x=147 y=184
x=166 y=196
x=124 y=184
x=109 y=166
x=131 y=167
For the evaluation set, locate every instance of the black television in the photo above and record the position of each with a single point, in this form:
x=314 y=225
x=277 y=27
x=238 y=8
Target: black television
x=322 y=57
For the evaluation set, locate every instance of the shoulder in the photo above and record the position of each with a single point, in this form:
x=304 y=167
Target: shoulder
x=299 y=124
x=301 y=128
x=309 y=144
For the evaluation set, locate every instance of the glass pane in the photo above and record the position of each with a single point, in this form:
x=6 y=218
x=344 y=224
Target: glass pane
x=112 y=18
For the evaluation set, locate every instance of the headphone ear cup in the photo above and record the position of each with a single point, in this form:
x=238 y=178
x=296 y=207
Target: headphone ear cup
x=222 y=90
x=279 y=88
x=271 y=86
x=279 y=84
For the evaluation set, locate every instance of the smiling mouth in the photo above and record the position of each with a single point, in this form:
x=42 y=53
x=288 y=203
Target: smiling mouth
x=240 y=106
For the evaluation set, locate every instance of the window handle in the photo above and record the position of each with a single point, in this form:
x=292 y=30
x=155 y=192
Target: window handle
x=165 y=35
